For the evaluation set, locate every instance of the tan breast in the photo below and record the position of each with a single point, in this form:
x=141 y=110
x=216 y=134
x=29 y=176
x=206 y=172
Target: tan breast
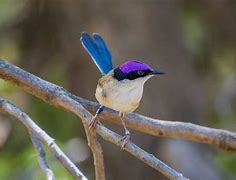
x=123 y=96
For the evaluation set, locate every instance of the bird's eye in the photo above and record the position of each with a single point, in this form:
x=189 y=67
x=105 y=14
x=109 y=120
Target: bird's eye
x=140 y=73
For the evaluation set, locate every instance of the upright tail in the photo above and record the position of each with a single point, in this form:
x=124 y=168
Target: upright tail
x=97 y=49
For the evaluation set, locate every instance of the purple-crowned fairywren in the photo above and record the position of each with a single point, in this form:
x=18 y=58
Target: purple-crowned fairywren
x=119 y=88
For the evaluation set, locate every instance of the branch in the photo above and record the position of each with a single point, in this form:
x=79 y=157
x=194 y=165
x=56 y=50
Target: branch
x=11 y=109
x=46 y=90
x=173 y=129
x=42 y=157
x=58 y=97
x=222 y=139
x=97 y=153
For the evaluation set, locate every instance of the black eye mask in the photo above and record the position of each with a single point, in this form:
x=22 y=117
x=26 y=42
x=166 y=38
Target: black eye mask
x=119 y=75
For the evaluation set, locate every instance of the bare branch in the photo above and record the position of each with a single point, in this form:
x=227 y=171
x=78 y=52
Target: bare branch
x=172 y=129
x=11 y=109
x=58 y=97
x=139 y=153
x=97 y=153
x=66 y=102
x=42 y=157
x=48 y=92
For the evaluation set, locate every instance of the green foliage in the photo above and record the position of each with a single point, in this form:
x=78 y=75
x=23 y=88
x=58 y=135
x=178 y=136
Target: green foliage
x=58 y=123
x=9 y=10
x=26 y=165
x=226 y=162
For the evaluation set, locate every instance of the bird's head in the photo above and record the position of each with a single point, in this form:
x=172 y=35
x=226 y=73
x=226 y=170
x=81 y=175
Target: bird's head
x=133 y=69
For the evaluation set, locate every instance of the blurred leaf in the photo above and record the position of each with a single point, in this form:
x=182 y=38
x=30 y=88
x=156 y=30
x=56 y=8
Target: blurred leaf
x=227 y=162
x=9 y=9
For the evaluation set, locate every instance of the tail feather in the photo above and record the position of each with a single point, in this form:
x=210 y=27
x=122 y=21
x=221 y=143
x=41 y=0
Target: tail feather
x=105 y=53
x=98 y=51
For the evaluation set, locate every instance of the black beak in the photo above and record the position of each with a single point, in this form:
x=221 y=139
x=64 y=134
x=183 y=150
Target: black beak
x=154 y=72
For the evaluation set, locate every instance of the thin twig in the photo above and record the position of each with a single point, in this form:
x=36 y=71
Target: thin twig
x=42 y=157
x=11 y=109
x=58 y=97
x=97 y=153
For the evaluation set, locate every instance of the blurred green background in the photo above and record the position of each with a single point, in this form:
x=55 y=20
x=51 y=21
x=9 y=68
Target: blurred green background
x=194 y=42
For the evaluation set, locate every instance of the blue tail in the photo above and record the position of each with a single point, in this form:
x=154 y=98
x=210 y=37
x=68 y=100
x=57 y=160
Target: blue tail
x=98 y=50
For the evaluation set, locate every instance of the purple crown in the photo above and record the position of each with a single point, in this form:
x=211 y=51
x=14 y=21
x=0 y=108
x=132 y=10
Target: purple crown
x=134 y=65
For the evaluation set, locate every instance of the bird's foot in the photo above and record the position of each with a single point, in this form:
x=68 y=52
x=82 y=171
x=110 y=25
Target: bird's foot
x=124 y=140
x=93 y=122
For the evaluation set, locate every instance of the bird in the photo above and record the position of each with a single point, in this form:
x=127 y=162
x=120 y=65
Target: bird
x=120 y=88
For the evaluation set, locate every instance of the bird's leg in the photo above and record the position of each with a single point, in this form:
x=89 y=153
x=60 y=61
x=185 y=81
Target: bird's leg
x=94 y=120
x=125 y=139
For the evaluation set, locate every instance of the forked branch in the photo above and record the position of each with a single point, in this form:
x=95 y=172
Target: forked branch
x=59 y=97
x=38 y=133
